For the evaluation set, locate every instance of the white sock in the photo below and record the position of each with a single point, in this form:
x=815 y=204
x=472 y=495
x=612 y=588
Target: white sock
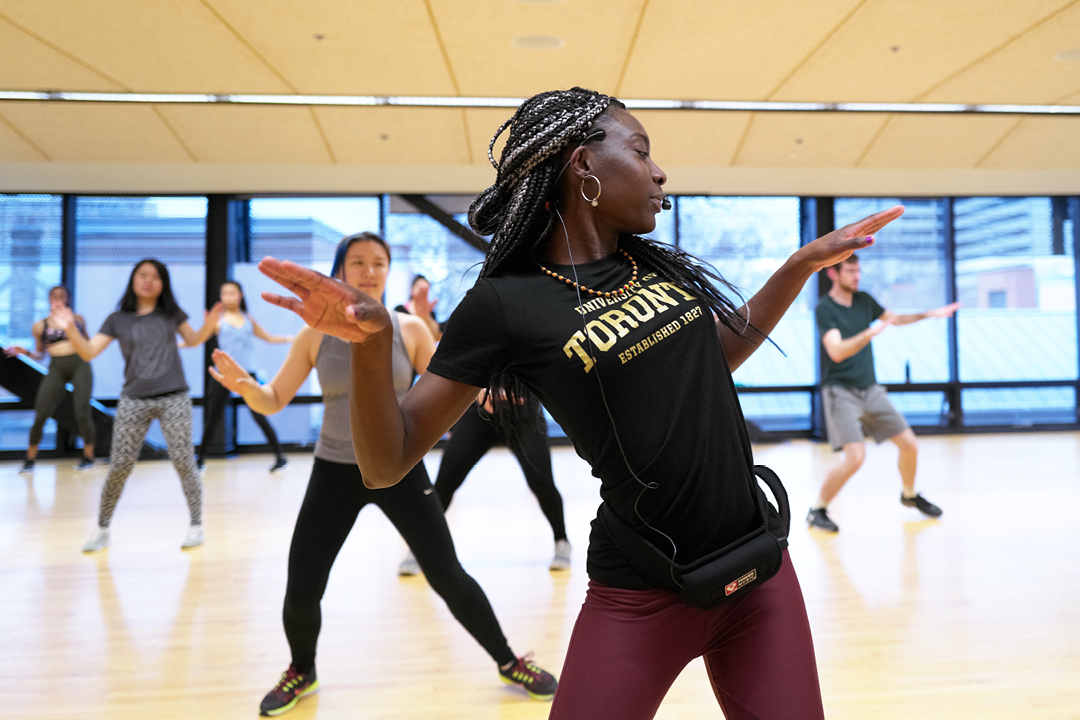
x=909 y=493
x=819 y=504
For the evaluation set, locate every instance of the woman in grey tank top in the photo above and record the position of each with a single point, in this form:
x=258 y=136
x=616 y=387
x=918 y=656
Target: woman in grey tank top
x=236 y=331
x=336 y=491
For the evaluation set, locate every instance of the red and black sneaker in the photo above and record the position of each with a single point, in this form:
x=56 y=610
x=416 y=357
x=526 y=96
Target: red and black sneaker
x=292 y=686
x=537 y=682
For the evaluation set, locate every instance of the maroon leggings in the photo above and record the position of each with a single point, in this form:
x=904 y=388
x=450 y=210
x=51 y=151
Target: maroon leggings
x=628 y=646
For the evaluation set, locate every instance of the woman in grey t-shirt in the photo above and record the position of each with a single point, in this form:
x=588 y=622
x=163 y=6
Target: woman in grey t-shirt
x=146 y=325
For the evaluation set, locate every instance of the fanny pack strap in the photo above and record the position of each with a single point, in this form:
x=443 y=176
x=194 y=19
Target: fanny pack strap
x=657 y=567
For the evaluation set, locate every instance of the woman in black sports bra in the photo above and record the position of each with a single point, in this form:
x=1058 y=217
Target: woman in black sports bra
x=65 y=366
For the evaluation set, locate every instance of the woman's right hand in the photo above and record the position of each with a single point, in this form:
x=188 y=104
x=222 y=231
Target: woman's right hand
x=64 y=318
x=13 y=350
x=233 y=377
x=325 y=304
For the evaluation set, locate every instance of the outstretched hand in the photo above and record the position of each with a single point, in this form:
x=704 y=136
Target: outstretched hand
x=944 y=311
x=423 y=305
x=13 y=350
x=325 y=304
x=64 y=317
x=227 y=372
x=837 y=246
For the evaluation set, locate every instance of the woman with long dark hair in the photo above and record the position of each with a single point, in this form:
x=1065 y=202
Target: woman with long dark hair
x=236 y=331
x=630 y=345
x=146 y=325
x=337 y=492
x=65 y=366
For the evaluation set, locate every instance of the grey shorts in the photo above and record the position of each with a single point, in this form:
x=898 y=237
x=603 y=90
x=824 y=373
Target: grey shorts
x=853 y=413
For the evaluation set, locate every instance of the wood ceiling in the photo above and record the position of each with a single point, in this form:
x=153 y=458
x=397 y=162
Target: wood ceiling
x=969 y=51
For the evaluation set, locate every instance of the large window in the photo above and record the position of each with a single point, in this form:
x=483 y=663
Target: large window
x=30 y=264
x=1015 y=274
x=112 y=235
x=906 y=272
x=747 y=240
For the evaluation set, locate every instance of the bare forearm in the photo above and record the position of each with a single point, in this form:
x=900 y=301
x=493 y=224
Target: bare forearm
x=908 y=319
x=765 y=309
x=81 y=344
x=378 y=427
x=850 y=347
x=262 y=398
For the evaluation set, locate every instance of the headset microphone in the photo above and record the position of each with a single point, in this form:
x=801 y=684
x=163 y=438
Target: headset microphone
x=665 y=204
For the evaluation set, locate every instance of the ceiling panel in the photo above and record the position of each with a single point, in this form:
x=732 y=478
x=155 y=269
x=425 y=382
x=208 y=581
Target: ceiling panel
x=693 y=138
x=94 y=132
x=807 y=139
x=479 y=41
x=482 y=124
x=936 y=141
x=149 y=45
x=28 y=64
x=934 y=39
x=371 y=47
x=14 y=149
x=396 y=136
x=249 y=133
x=725 y=50
x=1025 y=71
x=1050 y=142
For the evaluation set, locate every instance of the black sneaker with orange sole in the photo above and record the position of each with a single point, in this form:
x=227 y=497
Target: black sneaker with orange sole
x=537 y=682
x=292 y=686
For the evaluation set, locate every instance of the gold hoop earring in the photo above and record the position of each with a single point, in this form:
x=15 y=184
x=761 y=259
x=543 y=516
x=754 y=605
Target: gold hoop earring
x=591 y=201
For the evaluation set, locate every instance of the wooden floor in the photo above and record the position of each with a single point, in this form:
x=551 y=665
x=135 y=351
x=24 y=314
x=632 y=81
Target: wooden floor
x=973 y=616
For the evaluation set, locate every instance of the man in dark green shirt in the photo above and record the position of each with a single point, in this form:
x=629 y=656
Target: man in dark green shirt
x=851 y=397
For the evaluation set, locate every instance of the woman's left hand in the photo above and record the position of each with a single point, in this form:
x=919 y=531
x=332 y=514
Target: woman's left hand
x=227 y=372
x=828 y=250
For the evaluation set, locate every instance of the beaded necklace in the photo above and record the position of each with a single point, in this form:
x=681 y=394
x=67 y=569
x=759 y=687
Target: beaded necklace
x=600 y=293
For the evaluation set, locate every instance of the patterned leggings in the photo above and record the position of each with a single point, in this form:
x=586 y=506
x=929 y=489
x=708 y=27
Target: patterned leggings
x=133 y=418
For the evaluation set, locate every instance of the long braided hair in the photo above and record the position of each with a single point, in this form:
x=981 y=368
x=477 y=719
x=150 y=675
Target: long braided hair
x=518 y=212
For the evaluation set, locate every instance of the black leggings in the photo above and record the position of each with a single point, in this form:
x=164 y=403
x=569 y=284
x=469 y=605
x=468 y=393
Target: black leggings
x=63 y=370
x=335 y=496
x=473 y=436
x=215 y=400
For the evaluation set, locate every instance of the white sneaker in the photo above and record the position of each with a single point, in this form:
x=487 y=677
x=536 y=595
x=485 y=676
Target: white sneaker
x=98 y=540
x=409 y=566
x=561 y=561
x=194 y=537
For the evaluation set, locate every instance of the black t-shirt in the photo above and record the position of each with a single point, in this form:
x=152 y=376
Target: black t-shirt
x=666 y=383
x=856 y=371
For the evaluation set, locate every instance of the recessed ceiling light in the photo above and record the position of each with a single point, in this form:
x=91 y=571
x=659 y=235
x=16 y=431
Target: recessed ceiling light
x=1068 y=55
x=537 y=42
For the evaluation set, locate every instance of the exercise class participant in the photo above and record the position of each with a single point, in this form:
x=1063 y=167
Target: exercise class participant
x=154 y=387
x=470 y=439
x=616 y=336
x=337 y=493
x=65 y=366
x=852 y=398
x=236 y=332
x=422 y=306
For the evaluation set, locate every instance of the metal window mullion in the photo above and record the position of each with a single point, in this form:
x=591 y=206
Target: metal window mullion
x=955 y=395
x=1074 y=207
x=68 y=239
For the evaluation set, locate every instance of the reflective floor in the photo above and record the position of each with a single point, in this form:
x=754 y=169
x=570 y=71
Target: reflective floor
x=973 y=616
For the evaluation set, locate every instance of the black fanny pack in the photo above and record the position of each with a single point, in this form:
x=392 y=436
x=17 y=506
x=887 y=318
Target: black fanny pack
x=722 y=575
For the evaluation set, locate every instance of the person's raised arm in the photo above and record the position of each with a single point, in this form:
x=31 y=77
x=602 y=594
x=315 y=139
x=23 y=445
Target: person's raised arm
x=418 y=341
x=941 y=312
x=194 y=338
x=267 y=337
x=88 y=349
x=389 y=439
x=273 y=396
x=770 y=303
x=838 y=349
x=38 y=352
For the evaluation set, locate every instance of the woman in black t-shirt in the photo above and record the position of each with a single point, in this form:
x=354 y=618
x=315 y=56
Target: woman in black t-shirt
x=146 y=325
x=630 y=346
